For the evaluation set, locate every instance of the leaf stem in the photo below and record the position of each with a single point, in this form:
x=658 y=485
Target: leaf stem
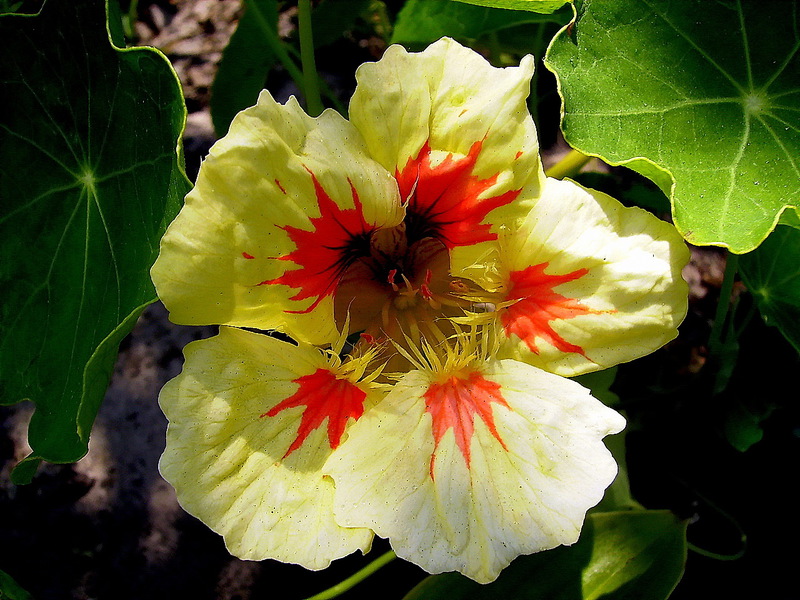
x=275 y=43
x=569 y=165
x=716 y=555
x=723 y=305
x=358 y=577
x=324 y=88
x=310 y=77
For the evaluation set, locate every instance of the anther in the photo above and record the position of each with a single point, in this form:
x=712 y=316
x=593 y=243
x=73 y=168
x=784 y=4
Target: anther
x=458 y=287
x=390 y=279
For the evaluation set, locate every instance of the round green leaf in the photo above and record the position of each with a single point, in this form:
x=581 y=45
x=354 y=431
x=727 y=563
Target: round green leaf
x=619 y=556
x=772 y=274
x=540 y=6
x=89 y=179
x=10 y=589
x=244 y=66
x=702 y=97
x=421 y=22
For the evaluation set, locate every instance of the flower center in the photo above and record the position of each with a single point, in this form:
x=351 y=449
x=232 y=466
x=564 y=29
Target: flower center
x=396 y=286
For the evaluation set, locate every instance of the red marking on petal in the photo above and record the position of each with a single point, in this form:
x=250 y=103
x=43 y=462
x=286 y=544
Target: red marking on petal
x=280 y=187
x=325 y=252
x=538 y=305
x=325 y=397
x=517 y=155
x=248 y=256
x=454 y=403
x=443 y=200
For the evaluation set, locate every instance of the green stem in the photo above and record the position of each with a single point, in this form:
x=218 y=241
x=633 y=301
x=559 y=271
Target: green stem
x=310 y=78
x=343 y=586
x=716 y=555
x=129 y=20
x=533 y=99
x=275 y=43
x=494 y=49
x=324 y=88
x=751 y=311
x=568 y=166
x=723 y=305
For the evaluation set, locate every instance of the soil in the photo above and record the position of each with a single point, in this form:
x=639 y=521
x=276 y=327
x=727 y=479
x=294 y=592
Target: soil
x=109 y=527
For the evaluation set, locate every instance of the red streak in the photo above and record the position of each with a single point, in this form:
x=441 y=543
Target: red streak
x=445 y=197
x=454 y=403
x=325 y=397
x=538 y=305
x=319 y=253
x=248 y=256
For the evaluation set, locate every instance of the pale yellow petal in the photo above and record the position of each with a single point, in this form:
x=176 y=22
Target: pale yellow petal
x=593 y=283
x=449 y=98
x=262 y=183
x=232 y=463
x=532 y=469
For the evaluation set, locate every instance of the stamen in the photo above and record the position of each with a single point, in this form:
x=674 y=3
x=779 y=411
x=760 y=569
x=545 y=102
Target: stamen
x=390 y=279
x=413 y=325
x=459 y=287
x=436 y=332
x=425 y=289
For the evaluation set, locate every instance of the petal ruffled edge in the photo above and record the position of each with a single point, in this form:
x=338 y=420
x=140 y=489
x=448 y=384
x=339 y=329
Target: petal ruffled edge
x=535 y=464
x=447 y=103
x=265 y=188
x=245 y=446
x=585 y=282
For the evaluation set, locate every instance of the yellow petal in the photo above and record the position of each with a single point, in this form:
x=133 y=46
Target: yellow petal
x=466 y=472
x=589 y=282
x=248 y=434
x=438 y=104
x=278 y=180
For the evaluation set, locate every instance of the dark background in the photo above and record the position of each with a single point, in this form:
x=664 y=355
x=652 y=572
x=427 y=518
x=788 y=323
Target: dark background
x=109 y=527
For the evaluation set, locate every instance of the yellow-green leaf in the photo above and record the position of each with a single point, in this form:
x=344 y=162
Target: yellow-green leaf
x=702 y=97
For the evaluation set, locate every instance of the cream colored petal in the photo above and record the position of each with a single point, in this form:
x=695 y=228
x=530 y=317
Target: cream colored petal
x=450 y=98
x=533 y=469
x=227 y=458
x=259 y=189
x=614 y=273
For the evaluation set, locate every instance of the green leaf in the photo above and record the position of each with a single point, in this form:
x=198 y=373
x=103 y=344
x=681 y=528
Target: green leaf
x=332 y=18
x=772 y=274
x=790 y=218
x=90 y=177
x=10 y=589
x=742 y=424
x=619 y=556
x=600 y=383
x=245 y=63
x=423 y=22
x=539 y=6
x=618 y=495
x=704 y=95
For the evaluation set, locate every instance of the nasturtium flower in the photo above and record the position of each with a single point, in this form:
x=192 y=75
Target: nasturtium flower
x=401 y=297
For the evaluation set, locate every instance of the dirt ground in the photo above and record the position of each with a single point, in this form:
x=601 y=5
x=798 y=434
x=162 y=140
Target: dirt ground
x=109 y=527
